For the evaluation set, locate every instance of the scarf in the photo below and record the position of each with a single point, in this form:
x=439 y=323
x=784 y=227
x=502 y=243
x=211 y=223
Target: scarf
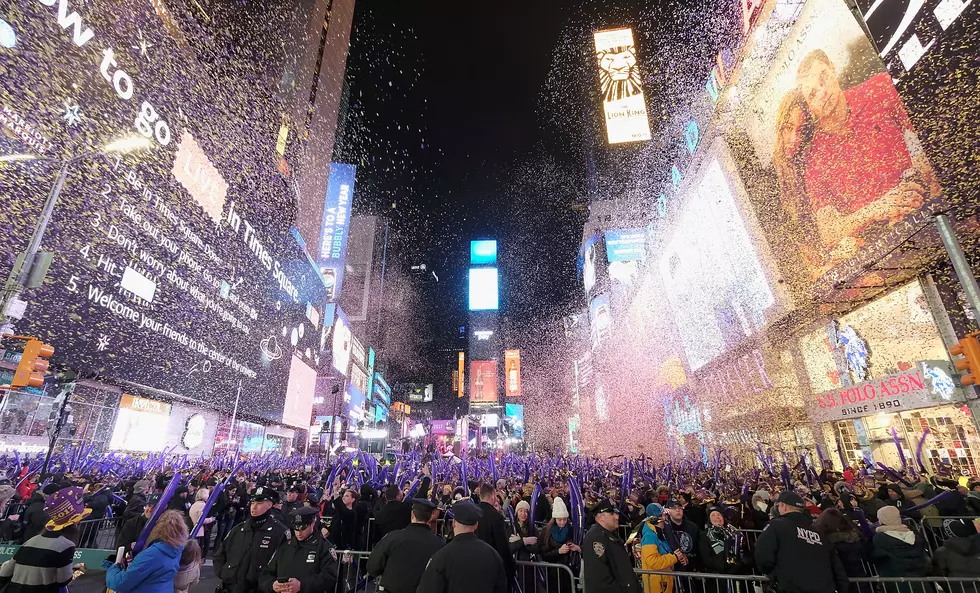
x=717 y=536
x=560 y=535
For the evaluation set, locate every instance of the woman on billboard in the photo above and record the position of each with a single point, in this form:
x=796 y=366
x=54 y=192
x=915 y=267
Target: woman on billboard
x=848 y=162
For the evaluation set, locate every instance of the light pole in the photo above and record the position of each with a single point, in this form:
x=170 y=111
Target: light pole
x=17 y=280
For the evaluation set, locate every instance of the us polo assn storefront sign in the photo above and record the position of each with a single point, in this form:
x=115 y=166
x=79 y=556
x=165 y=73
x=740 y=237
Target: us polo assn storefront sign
x=926 y=384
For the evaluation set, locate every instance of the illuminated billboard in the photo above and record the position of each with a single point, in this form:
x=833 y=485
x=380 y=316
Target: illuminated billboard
x=717 y=290
x=336 y=223
x=298 y=406
x=483 y=252
x=483 y=381
x=620 y=82
x=514 y=417
x=512 y=366
x=461 y=374
x=851 y=179
x=625 y=244
x=484 y=289
x=141 y=424
x=342 y=343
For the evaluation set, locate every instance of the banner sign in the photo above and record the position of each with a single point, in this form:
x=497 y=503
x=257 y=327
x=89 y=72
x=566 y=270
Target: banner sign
x=512 y=362
x=483 y=381
x=625 y=244
x=443 y=427
x=622 y=93
x=926 y=384
x=336 y=222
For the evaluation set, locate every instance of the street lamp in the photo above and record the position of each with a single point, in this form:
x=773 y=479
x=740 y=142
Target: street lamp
x=17 y=280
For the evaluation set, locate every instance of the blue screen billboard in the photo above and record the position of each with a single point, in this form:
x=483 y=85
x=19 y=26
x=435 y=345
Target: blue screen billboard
x=336 y=222
x=484 y=289
x=483 y=252
x=514 y=414
x=625 y=244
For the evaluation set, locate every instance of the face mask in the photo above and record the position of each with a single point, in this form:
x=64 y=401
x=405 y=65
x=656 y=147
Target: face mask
x=761 y=505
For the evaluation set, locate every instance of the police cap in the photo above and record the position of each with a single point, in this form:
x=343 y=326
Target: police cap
x=467 y=513
x=263 y=493
x=422 y=502
x=302 y=517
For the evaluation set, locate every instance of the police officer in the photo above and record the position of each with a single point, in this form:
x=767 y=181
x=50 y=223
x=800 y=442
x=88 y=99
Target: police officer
x=307 y=563
x=294 y=498
x=249 y=546
x=794 y=556
x=608 y=568
x=400 y=557
x=466 y=564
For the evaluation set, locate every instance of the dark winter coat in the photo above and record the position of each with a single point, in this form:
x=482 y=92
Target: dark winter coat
x=959 y=557
x=493 y=529
x=797 y=558
x=400 y=557
x=685 y=537
x=464 y=564
x=851 y=549
x=895 y=558
x=313 y=562
x=34 y=517
x=246 y=551
x=394 y=515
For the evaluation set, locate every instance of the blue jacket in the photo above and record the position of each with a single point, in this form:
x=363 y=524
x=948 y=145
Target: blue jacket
x=152 y=571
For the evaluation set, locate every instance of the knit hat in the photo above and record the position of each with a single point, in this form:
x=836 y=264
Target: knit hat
x=889 y=515
x=64 y=508
x=523 y=505
x=559 y=510
x=960 y=527
x=654 y=511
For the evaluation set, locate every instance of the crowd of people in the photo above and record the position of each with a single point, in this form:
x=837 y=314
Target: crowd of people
x=286 y=531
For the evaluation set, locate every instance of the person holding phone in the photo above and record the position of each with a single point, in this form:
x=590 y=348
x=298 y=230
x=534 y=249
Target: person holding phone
x=308 y=563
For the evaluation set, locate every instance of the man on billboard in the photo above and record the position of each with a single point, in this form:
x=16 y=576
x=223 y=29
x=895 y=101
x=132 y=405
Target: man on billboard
x=849 y=162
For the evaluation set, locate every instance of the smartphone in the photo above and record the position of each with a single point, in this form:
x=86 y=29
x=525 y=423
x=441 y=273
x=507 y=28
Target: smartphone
x=120 y=555
x=282 y=580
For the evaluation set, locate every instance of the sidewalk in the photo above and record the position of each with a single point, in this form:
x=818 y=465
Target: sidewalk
x=95 y=582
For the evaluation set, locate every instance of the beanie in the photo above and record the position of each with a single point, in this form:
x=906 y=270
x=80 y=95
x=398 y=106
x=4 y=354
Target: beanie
x=523 y=505
x=559 y=510
x=889 y=515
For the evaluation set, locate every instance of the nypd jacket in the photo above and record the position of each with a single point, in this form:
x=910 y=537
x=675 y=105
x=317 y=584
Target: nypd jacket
x=313 y=562
x=246 y=551
x=797 y=558
x=401 y=557
x=607 y=564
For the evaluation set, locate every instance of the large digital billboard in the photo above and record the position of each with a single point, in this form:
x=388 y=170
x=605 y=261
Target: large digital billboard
x=483 y=252
x=484 y=289
x=621 y=84
x=141 y=424
x=625 y=244
x=174 y=266
x=342 y=343
x=852 y=180
x=336 y=223
x=483 y=381
x=298 y=407
x=717 y=290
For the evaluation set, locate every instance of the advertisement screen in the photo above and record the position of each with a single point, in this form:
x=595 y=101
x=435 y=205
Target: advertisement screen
x=353 y=403
x=382 y=392
x=415 y=391
x=484 y=294
x=600 y=317
x=342 y=343
x=717 y=291
x=621 y=85
x=461 y=374
x=428 y=393
x=443 y=426
x=483 y=381
x=251 y=436
x=625 y=245
x=483 y=253
x=592 y=261
x=514 y=414
x=141 y=424
x=336 y=222
x=512 y=364
x=852 y=179
x=359 y=379
x=174 y=266
x=299 y=394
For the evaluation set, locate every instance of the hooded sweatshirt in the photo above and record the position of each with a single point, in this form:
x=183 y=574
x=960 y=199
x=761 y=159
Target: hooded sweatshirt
x=959 y=557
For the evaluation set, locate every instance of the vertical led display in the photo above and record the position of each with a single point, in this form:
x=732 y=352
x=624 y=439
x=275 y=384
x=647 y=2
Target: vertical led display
x=512 y=365
x=483 y=381
x=622 y=93
x=333 y=231
x=462 y=374
x=484 y=289
x=483 y=252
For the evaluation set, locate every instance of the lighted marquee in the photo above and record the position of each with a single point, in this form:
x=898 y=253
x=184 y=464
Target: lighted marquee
x=622 y=91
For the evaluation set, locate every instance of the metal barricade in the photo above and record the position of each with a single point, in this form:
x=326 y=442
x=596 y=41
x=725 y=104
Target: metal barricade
x=545 y=577
x=98 y=533
x=657 y=581
x=933 y=529
x=352 y=574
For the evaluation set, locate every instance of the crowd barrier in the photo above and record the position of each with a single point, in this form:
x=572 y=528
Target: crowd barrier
x=655 y=581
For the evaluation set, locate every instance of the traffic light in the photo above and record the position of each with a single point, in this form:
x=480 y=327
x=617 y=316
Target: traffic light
x=32 y=364
x=969 y=349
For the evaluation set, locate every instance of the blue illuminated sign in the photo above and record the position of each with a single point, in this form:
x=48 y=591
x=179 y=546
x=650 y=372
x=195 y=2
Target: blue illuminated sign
x=625 y=244
x=336 y=221
x=483 y=252
x=514 y=414
x=484 y=289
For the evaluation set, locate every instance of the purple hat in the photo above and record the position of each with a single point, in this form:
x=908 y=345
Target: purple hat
x=64 y=508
